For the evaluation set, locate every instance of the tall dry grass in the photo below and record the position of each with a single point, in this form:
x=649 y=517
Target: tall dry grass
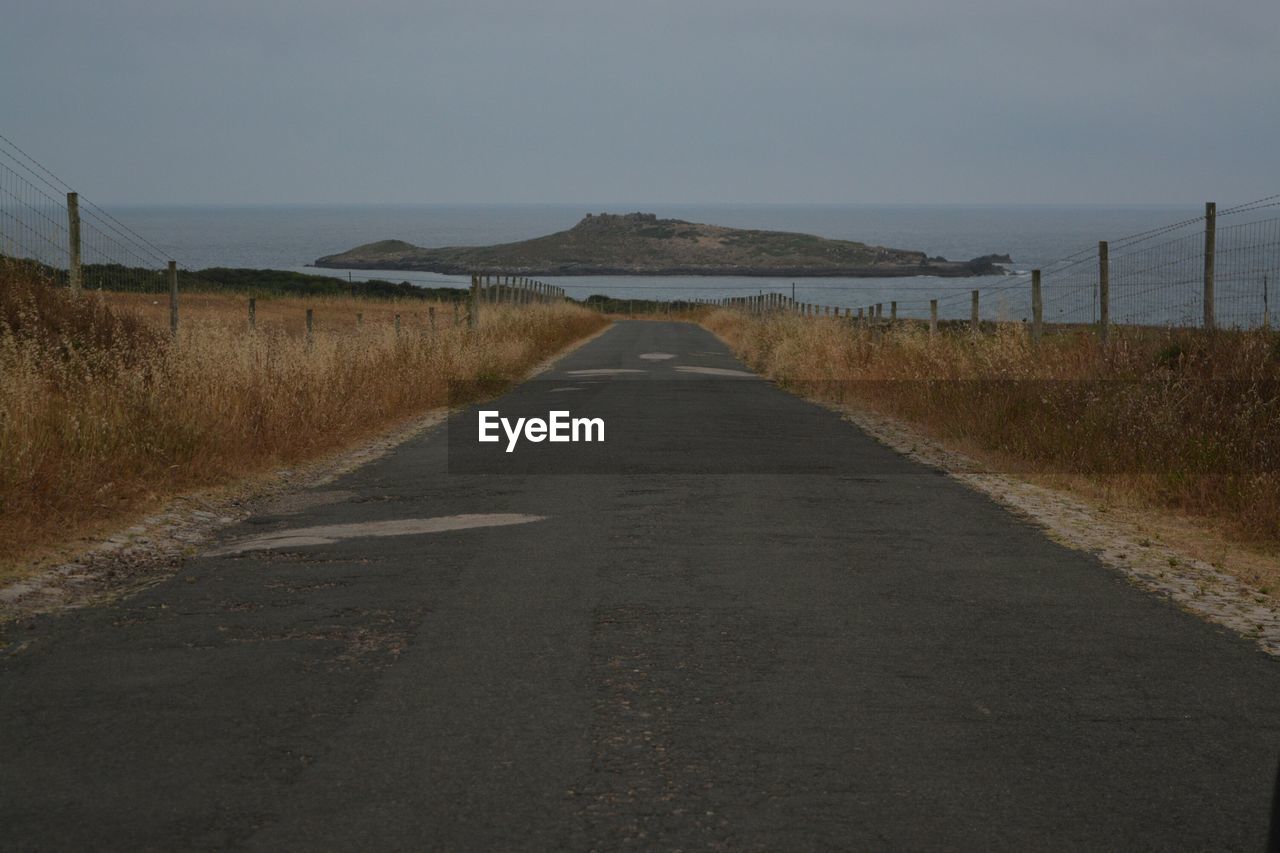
x=1174 y=419
x=102 y=414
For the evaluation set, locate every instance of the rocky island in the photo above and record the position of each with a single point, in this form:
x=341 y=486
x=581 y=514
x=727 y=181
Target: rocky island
x=643 y=244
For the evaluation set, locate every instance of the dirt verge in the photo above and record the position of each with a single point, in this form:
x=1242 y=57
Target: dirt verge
x=1153 y=550
x=153 y=548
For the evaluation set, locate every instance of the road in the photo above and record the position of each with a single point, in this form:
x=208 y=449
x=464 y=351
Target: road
x=743 y=625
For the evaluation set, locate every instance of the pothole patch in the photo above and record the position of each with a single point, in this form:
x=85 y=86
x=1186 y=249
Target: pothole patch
x=656 y=356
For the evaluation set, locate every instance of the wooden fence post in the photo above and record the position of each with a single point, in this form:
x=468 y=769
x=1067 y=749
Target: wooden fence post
x=397 y=326
x=879 y=310
x=975 y=320
x=1037 y=308
x=173 y=298
x=457 y=312
x=431 y=318
x=933 y=316
x=1210 y=245
x=893 y=311
x=1104 y=292
x=310 y=328
x=473 y=310
x=253 y=313
x=75 y=269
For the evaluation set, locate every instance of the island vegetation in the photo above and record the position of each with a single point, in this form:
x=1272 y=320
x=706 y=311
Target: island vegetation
x=643 y=244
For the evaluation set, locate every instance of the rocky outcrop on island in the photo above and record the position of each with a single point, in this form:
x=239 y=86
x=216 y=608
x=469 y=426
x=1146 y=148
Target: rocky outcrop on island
x=643 y=244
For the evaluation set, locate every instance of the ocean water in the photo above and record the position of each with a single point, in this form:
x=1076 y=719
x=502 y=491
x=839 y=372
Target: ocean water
x=292 y=237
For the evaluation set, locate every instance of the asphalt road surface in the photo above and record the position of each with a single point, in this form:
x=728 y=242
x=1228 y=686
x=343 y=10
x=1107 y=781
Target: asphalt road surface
x=751 y=628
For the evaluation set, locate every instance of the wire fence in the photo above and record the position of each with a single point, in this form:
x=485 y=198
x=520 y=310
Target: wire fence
x=77 y=244
x=43 y=221
x=1217 y=271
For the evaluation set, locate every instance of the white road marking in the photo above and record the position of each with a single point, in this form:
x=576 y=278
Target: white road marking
x=715 y=371
x=327 y=534
x=604 y=371
x=566 y=388
x=656 y=356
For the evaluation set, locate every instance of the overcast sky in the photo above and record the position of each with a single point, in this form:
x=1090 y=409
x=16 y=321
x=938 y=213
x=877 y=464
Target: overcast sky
x=591 y=101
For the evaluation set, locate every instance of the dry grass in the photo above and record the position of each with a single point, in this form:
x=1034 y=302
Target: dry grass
x=102 y=415
x=1173 y=419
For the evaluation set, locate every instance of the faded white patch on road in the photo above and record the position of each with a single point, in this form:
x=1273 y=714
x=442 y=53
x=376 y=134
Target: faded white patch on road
x=715 y=371
x=566 y=388
x=604 y=371
x=656 y=356
x=328 y=534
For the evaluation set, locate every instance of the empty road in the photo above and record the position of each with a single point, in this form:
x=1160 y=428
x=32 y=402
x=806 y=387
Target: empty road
x=737 y=624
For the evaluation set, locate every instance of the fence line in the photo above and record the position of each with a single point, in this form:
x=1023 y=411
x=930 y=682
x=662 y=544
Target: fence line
x=45 y=222
x=1217 y=270
x=1198 y=272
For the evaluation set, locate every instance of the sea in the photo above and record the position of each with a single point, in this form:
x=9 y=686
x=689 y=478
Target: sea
x=292 y=237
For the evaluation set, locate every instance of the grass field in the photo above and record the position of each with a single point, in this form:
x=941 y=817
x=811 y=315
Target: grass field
x=1178 y=420
x=103 y=415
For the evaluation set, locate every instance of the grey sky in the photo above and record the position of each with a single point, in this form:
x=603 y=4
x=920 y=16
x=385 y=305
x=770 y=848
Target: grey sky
x=647 y=101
